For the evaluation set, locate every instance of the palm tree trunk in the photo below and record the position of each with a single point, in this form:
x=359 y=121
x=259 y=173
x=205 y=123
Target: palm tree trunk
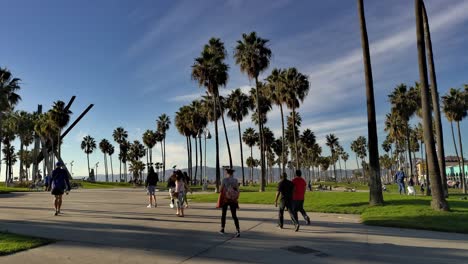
x=375 y=184
x=462 y=168
x=201 y=160
x=164 y=158
x=282 y=139
x=89 y=171
x=294 y=135
x=435 y=102
x=438 y=198
x=188 y=153
x=225 y=132
x=112 y=168
x=346 y=172
x=251 y=168
x=408 y=141
x=196 y=160
x=241 y=152
x=218 y=169
x=260 y=131
x=341 y=171
x=21 y=161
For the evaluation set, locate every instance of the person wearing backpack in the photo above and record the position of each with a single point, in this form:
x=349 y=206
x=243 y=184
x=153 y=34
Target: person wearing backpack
x=228 y=197
x=59 y=184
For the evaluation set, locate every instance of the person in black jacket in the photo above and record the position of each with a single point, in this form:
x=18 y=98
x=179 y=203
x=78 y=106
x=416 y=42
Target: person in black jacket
x=150 y=184
x=171 y=184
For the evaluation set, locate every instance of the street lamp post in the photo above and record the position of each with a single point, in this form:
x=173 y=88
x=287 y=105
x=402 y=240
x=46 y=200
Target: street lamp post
x=71 y=167
x=207 y=135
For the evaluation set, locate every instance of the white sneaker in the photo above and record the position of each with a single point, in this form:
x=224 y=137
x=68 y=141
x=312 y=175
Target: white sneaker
x=171 y=205
x=149 y=206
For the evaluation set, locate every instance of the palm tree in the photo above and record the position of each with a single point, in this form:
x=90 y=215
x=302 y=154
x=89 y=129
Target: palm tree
x=292 y=131
x=375 y=196
x=296 y=89
x=110 y=151
x=308 y=140
x=332 y=143
x=238 y=105
x=136 y=168
x=211 y=72
x=250 y=138
x=438 y=200
x=183 y=124
x=104 y=147
x=163 y=123
x=25 y=127
x=404 y=104
x=120 y=136
x=435 y=101
x=455 y=109
x=276 y=87
x=88 y=145
x=60 y=114
x=199 y=123
x=9 y=86
x=150 y=140
x=359 y=146
x=253 y=57
x=345 y=157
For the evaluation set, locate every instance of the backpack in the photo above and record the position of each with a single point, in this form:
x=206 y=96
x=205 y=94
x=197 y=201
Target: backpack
x=232 y=194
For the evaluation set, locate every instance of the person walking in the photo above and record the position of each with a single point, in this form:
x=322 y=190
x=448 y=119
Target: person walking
x=59 y=183
x=229 y=197
x=285 y=190
x=300 y=186
x=171 y=184
x=150 y=184
x=411 y=190
x=180 y=188
x=400 y=180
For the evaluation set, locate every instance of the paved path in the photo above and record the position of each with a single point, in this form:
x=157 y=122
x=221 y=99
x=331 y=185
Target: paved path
x=114 y=226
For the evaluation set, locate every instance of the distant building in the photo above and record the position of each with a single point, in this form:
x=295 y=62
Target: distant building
x=452 y=169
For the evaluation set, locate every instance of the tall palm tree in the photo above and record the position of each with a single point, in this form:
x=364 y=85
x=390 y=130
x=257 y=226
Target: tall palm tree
x=110 y=151
x=211 y=72
x=276 y=87
x=104 y=147
x=61 y=116
x=438 y=199
x=435 y=101
x=296 y=89
x=308 y=141
x=88 y=145
x=404 y=104
x=120 y=136
x=9 y=97
x=250 y=138
x=136 y=168
x=455 y=109
x=253 y=56
x=150 y=140
x=238 y=105
x=332 y=143
x=182 y=123
x=292 y=132
x=345 y=157
x=199 y=124
x=375 y=196
x=163 y=124
x=25 y=127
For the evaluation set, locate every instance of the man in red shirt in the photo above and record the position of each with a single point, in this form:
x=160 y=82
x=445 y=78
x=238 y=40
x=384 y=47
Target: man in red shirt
x=300 y=186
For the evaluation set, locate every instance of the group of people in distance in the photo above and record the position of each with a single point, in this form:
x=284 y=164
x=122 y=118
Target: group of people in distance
x=290 y=193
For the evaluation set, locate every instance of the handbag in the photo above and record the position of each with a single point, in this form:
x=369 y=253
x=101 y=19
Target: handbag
x=175 y=195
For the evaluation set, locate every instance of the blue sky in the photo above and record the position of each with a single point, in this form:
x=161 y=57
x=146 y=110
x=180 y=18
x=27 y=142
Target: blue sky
x=132 y=59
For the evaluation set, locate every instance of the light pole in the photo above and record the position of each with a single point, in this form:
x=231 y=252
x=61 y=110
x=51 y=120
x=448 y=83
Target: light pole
x=207 y=135
x=71 y=167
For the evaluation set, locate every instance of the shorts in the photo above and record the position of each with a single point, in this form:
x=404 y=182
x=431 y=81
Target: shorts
x=57 y=191
x=151 y=190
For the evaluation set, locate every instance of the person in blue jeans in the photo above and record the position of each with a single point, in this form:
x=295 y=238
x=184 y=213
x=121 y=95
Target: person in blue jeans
x=400 y=180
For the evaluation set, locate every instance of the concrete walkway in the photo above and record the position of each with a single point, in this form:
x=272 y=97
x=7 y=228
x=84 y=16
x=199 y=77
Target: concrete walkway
x=114 y=226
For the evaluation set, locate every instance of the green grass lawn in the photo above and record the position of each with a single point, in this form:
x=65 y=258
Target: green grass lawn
x=11 y=243
x=399 y=211
x=4 y=189
x=102 y=185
